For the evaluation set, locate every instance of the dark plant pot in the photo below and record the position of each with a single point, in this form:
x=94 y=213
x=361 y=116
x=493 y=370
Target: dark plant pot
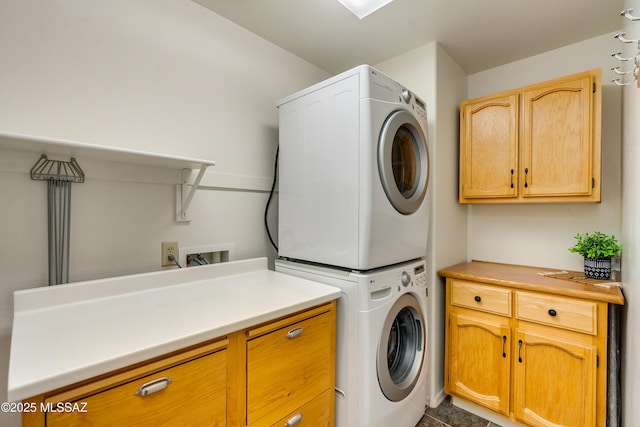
x=597 y=268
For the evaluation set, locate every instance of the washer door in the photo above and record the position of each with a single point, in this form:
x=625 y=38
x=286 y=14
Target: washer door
x=401 y=349
x=403 y=161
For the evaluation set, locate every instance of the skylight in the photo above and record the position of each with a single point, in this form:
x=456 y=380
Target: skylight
x=363 y=8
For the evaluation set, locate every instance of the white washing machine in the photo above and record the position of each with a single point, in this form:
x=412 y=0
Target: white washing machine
x=381 y=367
x=353 y=173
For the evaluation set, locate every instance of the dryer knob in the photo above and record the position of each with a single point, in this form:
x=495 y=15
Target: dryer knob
x=405 y=279
x=405 y=95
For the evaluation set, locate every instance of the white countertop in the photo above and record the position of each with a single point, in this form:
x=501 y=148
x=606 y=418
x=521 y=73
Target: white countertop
x=67 y=333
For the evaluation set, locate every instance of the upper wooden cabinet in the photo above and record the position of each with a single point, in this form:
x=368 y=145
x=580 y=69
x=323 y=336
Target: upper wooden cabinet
x=539 y=143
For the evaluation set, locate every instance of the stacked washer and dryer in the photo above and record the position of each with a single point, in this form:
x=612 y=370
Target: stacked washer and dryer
x=354 y=213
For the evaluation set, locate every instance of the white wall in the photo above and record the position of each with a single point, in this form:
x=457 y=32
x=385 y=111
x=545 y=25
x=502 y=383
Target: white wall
x=156 y=75
x=541 y=234
x=430 y=72
x=631 y=237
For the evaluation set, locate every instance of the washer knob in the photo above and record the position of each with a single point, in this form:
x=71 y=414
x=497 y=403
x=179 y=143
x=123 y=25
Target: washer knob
x=405 y=95
x=405 y=279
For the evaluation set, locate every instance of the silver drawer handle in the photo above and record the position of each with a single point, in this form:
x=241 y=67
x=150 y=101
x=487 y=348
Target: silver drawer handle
x=294 y=420
x=153 y=386
x=294 y=333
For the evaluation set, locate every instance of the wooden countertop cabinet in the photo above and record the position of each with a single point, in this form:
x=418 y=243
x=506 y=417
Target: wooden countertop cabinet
x=192 y=392
x=539 y=143
x=527 y=346
x=278 y=372
x=288 y=365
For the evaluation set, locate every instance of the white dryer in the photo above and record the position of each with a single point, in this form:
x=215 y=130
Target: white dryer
x=354 y=172
x=381 y=366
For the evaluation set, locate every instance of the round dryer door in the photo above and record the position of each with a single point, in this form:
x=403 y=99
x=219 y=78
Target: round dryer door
x=401 y=350
x=403 y=161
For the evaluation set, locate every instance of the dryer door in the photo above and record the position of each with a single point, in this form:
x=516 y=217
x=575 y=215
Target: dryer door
x=403 y=161
x=402 y=348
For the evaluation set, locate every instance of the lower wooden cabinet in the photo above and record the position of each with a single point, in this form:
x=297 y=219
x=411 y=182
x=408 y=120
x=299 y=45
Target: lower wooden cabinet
x=288 y=367
x=191 y=393
x=314 y=413
x=281 y=373
x=524 y=350
x=555 y=381
x=478 y=347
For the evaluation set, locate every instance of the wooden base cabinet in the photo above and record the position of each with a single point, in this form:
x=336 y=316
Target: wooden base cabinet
x=478 y=346
x=193 y=392
x=536 y=357
x=289 y=365
x=281 y=373
x=555 y=381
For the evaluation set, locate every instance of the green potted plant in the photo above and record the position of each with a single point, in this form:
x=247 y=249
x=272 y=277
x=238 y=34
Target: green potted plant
x=597 y=249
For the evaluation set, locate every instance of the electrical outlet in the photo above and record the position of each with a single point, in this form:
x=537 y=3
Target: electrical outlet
x=169 y=248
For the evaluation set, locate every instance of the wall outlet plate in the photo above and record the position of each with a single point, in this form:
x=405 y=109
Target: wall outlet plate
x=169 y=248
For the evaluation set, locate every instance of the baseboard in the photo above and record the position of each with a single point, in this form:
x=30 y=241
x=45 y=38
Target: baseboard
x=435 y=400
x=484 y=413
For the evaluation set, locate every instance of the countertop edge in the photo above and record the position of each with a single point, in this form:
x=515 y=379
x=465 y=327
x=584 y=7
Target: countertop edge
x=511 y=276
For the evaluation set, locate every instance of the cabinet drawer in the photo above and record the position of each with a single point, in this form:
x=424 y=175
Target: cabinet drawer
x=572 y=314
x=316 y=413
x=491 y=299
x=196 y=395
x=286 y=366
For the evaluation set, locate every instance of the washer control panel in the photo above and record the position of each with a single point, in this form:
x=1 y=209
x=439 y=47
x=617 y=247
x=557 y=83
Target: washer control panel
x=416 y=276
x=387 y=284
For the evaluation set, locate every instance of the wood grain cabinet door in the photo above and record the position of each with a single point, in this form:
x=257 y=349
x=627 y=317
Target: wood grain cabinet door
x=193 y=393
x=554 y=381
x=288 y=367
x=479 y=360
x=557 y=139
x=489 y=148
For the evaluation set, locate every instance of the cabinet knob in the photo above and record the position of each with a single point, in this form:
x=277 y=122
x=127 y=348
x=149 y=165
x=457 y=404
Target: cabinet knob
x=294 y=420
x=552 y=312
x=477 y=298
x=153 y=386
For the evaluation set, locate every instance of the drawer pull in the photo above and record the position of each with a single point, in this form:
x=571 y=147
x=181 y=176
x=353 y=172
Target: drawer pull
x=477 y=298
x=153 y=386
x=504 y=341
x=294 y=420
x=552 y=312
x=296 y=332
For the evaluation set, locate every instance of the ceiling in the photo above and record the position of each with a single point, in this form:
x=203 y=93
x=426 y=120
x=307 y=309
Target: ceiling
x=478 y=34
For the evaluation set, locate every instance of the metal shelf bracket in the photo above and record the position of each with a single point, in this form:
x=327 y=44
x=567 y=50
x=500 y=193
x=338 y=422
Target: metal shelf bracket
x=185 y=192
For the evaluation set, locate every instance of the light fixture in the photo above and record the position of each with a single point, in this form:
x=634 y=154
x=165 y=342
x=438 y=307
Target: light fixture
x=362 y=8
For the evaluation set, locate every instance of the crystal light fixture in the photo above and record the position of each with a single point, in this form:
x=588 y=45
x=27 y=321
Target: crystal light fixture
x=363 y=8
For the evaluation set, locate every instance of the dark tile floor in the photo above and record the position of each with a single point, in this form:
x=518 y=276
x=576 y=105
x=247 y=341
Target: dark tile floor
x=447 y=415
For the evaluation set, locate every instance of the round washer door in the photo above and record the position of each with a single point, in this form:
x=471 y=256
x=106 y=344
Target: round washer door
x=401 y=349
x=403 y=161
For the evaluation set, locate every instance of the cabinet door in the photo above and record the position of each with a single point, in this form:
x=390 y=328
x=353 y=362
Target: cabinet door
x=557 y=139
x=489 y=148
x=195 y=395
x=316 y=413
x=288 y=367
x=554 y=381
x=479 y=360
